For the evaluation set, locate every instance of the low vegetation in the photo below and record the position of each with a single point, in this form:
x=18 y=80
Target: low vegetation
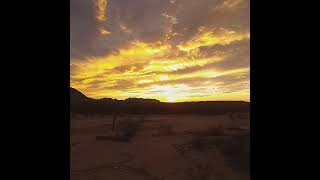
x=207 y=139
x=165 y=130
x=234 y=147
x=236 y=150
x=200 y=172
x=128 y=129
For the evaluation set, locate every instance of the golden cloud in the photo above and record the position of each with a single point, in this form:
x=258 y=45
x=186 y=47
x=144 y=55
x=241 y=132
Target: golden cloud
x=101 y=10
x=148 y=70
x=213 y=37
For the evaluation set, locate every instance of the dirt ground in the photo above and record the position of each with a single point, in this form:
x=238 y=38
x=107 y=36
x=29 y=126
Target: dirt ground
x=162 y=147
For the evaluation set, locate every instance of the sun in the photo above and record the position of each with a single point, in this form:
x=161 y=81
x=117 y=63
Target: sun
x=171 y=99
x=170 y=93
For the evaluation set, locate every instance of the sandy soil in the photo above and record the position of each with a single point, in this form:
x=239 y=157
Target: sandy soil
x=154 y=153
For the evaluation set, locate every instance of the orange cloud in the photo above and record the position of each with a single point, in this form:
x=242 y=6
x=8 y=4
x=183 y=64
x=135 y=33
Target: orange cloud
x=219 y=36
x=101 y=10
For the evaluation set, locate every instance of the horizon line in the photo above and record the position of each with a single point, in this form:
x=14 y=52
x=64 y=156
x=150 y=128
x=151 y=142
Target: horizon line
x=160 y=100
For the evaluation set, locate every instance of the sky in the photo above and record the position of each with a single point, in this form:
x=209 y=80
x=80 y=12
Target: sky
x=170 y=50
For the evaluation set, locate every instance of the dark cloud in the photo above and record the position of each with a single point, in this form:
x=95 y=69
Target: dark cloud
x=146 y=22
x=83 y=28
x=212 y=14
x=142 y=17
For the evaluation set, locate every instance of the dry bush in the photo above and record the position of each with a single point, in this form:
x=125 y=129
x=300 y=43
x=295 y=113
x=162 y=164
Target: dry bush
x=215 y=131
x=128 y=128
x=243 y=116
x=142 y=118
x=168 y=129
x=237 y=152
x=157 y=178
x=212 y=170
x=232 y=116
x=113 y=138
x=235 y=149
x=125 y=131
x=165 y=130
x=199 y=143
x=200 y=172
x=207 y=139
x=182 y=149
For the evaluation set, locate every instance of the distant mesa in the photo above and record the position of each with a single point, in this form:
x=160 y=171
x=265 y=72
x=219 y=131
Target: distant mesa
x=76 y=97
x=79 y=103
x=141 y=100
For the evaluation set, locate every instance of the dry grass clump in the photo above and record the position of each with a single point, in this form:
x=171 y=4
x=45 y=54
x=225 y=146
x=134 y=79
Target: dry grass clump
x=165 y=130
x=199 y=143
x=236 y=150
x=125 y=131
x=128 y=128
x=200 y=172
x=207 y=139
x=215 y=131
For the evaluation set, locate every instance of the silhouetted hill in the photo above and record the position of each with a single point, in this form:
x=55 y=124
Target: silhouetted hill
x=81 y=104
x=76 y=97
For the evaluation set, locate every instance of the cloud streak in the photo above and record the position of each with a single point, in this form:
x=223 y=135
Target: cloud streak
x=180 y=50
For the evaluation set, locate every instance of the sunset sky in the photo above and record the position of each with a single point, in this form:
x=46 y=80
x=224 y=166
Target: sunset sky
x=170 y=50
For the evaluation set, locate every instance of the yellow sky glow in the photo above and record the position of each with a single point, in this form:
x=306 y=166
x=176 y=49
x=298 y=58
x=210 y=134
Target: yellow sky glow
x=175 y=52
x=151 y=70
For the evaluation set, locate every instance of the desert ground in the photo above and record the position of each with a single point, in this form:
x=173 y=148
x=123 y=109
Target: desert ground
x=160 y=147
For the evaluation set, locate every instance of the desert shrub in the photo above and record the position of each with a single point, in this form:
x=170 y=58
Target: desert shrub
x=237 y=152
x=215 y=131
x=164 y=130
x=199 y=143
x=235 y=149
x=142 y=118
x=128 y=128
x=231 y=116
x=207 y=139
x=168 y=129
x=242 y=116
x=157 y=178
x=182 y=149
x=200 y=172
